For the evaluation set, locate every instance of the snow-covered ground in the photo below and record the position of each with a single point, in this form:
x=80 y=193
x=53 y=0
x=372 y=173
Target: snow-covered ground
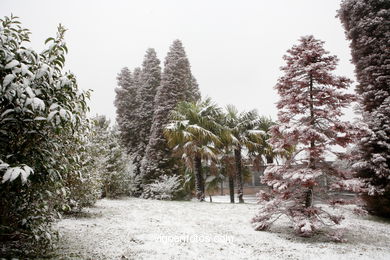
x=148 y=229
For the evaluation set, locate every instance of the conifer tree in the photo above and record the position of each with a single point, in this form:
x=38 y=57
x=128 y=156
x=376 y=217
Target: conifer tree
x=311 y=100
x=122 y=100
x=177 y=84
x=127 y=104
x=151 y=79
x=134 y=121
x=367 y=25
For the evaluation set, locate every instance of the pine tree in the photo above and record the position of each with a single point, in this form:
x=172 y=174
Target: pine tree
x=151 y=79
x=110 y=159
x=122 y=99
x=127 y=104
x=367 y=25
x=309 y=120
x=177 y=84
x=134 y=121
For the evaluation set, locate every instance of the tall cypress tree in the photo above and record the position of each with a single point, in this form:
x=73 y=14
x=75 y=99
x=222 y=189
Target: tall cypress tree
x=150 y=81
x=134 y=120
x=123 y=100
x=367 y=25
x=127 y=104
x=177 y=84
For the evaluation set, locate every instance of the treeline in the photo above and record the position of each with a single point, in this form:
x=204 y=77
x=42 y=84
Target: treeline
x=207 y=145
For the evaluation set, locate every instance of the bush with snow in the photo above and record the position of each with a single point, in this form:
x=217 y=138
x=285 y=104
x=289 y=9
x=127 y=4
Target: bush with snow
x=163 y=188
x=42 y=144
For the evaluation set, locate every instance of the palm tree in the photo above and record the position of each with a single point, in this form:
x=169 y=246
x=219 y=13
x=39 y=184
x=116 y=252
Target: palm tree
x=243 y=127
x=193 y=133
x=226 y=155
x=265 y=124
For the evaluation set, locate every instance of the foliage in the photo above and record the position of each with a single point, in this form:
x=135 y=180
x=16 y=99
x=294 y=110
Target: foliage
x=193 y=135
x=163 y=188
x=367 y=25
x=110 y=160
x=311 y=99
x=42 y=120
x=241 y=132
x=80 y=177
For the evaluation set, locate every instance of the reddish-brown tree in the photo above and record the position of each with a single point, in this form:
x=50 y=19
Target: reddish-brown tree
x=311 y=103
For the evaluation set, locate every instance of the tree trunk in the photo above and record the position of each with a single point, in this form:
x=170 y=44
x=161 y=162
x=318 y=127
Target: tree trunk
x=269 y=159
x=199 y=182
x=240 y=193
x=231 y=188
x=309 y=192
x=223 y=173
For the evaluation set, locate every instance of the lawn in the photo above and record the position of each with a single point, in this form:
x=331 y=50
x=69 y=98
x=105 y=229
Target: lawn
x=133 y=228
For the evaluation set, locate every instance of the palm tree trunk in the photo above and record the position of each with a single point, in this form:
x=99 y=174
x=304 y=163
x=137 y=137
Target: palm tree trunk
x=223 y=173
x=199 y=181
x=231 y=188
x=240 y=185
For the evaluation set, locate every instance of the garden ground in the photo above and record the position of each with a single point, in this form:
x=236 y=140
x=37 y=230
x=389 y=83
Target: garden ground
x=149 y=229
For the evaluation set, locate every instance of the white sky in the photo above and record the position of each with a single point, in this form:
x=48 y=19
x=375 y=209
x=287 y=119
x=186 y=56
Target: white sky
x=235 y=47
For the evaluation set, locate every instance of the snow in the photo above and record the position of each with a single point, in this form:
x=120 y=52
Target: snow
x=11 y=64
x=8 y=79
x=149 y=229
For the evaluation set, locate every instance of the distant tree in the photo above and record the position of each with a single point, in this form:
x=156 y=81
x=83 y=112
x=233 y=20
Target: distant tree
x=193 y=134
x=310 y=106
x=151 y=80
x=266 y=151
x=123 y=99
x=127 y=103
x=367 y=26
x=193 y=92
x=245 y=135
x=177 y=84
x=226 y=156
x=110 y=159
x=134 y=122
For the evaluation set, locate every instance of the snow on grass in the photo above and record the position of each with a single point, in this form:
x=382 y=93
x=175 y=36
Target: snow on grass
x=149 y=229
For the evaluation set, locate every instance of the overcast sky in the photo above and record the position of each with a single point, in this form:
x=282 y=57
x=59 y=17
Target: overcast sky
x=235 y=47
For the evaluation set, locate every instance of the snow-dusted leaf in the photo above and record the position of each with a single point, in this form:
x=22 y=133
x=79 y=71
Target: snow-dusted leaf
x=29 y=101
x=63 y=113
x=16 y=171
x=27 y=171
x=53 y=106
x=8 y=79
x=51 y=115
x=40 y=118
x=38 y=103
x=4 y=166
x=30 y=92
x=26 y=70
x=11 y=64
x=7 y=175
x=6 y=112
x=11 y=174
